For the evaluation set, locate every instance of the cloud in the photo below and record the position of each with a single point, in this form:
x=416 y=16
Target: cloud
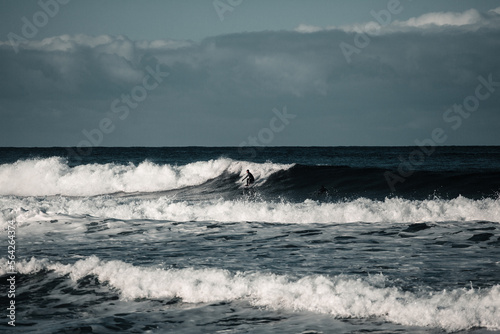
x=76 y=65
x=224 y=88
x=469 y=19
x=297 y=63
x=111 y=44
x=304 y=28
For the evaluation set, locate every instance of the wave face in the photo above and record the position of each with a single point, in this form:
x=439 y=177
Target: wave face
x=303 y=181
x=53 y=176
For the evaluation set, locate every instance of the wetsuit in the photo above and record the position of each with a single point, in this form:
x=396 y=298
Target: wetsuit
x=250 y=178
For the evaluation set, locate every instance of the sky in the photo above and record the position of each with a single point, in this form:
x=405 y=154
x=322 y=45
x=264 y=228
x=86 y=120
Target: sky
x=86 y=73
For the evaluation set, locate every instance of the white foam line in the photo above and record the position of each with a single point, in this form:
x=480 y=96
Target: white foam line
x=393 y=210
x=340 y=296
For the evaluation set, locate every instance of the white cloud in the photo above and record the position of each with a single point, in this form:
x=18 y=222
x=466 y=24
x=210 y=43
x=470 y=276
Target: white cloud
x=468 y=17
x=371 y=27
x=163 y=44
x=118 y=45
x=495 y=10
x=62 y=43
x=304 y=28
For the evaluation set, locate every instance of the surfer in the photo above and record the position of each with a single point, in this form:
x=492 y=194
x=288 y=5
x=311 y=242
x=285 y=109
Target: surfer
x=322 y=191
x=250 y=179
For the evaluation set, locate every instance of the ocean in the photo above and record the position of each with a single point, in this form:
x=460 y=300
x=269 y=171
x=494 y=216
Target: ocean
x=327 y=240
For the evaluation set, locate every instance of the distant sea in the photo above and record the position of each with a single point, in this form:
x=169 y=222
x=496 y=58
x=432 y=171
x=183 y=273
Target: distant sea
x=327 y=240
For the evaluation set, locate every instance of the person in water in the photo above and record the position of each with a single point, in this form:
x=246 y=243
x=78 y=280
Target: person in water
x=250 y=179
x=321 y=191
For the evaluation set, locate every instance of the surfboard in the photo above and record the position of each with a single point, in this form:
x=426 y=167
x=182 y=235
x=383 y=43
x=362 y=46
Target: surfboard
x=249 y=189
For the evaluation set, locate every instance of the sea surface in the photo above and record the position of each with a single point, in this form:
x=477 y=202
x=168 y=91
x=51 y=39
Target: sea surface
x=169 y=240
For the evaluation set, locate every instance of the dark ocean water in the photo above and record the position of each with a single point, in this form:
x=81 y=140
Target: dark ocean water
x=404 y=239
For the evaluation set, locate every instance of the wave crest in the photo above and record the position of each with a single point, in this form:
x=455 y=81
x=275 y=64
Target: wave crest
x=341 y=296
x=53 y=176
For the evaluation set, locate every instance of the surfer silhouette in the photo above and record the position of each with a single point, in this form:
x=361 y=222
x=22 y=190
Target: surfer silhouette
x=322 y=190
x=250 y=179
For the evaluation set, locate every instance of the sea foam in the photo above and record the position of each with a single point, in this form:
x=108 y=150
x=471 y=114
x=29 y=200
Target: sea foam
x=340 y=296
x=390 y=210
x=53 y=176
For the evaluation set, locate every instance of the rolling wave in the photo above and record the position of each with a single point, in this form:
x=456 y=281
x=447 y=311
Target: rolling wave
x=220 y=178
x=390 y=210
x=53 y=176
x=303 y=181
x=341 y=296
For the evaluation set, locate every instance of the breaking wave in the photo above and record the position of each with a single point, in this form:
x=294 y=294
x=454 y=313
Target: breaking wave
x=390 y=210
x=219 y=177
x=53 y=176
x=341 y=296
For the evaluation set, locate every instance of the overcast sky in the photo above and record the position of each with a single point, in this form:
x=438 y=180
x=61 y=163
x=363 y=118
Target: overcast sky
x=243 y=72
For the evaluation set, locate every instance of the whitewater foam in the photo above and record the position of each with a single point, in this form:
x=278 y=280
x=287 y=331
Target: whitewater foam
x=53 y=176
x=340 y=296
x=391 y=210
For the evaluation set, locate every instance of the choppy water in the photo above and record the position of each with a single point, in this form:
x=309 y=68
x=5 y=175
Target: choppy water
x=168 y=240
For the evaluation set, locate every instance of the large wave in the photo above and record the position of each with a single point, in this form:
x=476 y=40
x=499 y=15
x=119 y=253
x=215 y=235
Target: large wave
x=53 y=176
x=211 y=191
x=218 y=177
x=340 y=296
